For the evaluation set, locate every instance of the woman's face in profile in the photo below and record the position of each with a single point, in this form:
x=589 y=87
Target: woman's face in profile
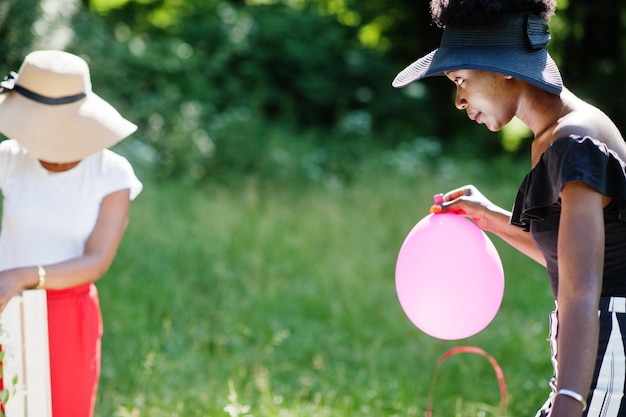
x=489 y=98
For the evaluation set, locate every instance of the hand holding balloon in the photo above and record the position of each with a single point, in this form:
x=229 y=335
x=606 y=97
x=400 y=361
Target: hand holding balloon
x=449 y=277
x=466 y=201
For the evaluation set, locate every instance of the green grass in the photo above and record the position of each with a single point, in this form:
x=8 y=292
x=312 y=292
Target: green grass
x=280 y=301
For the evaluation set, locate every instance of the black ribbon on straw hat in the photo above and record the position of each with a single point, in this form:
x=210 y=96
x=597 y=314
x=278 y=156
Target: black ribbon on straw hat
x=49 y=108
x=8 y=84
x=515 y=45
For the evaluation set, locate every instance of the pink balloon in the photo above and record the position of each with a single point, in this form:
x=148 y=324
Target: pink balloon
x=449 y=277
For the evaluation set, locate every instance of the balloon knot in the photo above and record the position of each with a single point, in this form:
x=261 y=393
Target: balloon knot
x=437 y=207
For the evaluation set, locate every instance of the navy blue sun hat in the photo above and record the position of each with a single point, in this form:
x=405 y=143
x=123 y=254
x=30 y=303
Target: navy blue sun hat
x=515 y=45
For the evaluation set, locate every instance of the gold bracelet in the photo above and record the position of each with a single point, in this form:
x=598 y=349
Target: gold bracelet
x=574 y=395
x=42 y=278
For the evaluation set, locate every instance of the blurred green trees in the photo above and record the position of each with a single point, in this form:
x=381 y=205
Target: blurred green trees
x=15 y=15
x=210 y=85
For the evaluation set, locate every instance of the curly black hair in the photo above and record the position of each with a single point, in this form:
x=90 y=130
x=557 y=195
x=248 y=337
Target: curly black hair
x=483 y=12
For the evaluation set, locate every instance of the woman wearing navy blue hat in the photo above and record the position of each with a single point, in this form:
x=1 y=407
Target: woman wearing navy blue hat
x=570 y=210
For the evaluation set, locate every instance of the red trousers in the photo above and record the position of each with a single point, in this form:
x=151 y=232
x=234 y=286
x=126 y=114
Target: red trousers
x=75 y=333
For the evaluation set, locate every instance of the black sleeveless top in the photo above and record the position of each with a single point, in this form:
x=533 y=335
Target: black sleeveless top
x=538 y=205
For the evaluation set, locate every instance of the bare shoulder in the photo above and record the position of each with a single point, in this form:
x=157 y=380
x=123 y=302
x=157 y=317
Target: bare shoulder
x=585 y=119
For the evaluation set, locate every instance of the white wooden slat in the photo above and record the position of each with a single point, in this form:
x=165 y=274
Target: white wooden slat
x=25 y=322
x=37 y=369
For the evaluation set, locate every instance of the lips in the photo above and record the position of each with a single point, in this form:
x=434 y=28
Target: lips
x=474 y=117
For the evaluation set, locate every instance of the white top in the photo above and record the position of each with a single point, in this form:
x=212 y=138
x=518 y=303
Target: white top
x=48 y=216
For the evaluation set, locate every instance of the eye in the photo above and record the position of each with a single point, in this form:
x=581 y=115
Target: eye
x=459 y=82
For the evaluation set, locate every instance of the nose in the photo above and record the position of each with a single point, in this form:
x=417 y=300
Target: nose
x=459 y=101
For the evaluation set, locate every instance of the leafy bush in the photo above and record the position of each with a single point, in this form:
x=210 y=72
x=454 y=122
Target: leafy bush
x=17 y=20
x=233 y=90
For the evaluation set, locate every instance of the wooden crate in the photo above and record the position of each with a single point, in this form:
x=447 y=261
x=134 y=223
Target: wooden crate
x=25 y=343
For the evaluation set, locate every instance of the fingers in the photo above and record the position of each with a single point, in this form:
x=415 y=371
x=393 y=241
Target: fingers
x=457 y=193
x=448 y=202
x=435 y=209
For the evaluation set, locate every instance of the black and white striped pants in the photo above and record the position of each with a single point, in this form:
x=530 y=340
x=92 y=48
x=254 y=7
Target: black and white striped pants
x=606 y=397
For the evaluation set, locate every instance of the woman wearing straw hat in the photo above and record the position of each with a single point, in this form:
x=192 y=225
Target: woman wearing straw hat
x=65 y=209
x=570 y=210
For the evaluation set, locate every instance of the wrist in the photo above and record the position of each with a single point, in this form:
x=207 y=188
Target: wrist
x=574 y=396
x=40 y=274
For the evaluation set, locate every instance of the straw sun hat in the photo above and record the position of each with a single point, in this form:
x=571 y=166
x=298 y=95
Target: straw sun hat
x=49 y=109
x=515 y=45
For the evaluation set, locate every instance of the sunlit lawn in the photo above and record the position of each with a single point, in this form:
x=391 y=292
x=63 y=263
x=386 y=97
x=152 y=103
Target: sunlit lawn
x=258 y=300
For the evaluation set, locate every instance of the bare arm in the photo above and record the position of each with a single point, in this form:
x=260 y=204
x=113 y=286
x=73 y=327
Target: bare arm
x=99 y=253
x=581 y=262
x=468 y=201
